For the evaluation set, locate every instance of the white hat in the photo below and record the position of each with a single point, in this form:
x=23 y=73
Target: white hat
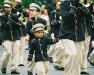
x=7 y=5
x=18 y=1
x=34 y=6
x=38 y=27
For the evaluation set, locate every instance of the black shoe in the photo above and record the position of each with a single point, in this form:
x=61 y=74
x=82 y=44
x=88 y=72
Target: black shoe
x=84 y=72
x=50 y=60
x=30 y=73
x=21 y=65
x=15 y=72
x=62 y=68
x=59 y=68
x=91 y=63
x=27 y=48
x=3 y=70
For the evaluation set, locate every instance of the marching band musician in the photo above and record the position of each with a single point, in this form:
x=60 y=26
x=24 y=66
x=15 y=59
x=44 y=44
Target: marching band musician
x=20 y=11
x=72 y=35
x=10 y=28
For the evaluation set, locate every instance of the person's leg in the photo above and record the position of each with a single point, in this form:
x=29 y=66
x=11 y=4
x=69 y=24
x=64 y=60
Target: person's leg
x=6 y=55
x=30 y=66
x=70 y=53
x=15 y=57
x=91 y=58
x=78 y=58
x=84 y=55
x=46 y=67
x=57 y=54
x=59 y=60
x=40 y=67
x=90 y=50
x=51 y=50
x=21 y=51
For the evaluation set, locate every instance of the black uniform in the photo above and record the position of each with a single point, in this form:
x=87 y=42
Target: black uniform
x=54 y=16
x=73 y=22
x=22 y=14
x=39 y=47
x=90 y=27
x=19 y=8
x=10 y=27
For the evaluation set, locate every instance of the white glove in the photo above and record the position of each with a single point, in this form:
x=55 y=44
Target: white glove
x=52 y=35
x=92 y=44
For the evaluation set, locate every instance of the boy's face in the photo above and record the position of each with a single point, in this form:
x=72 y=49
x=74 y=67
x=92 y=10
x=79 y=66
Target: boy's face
x=7 y=9
x=39 y=34
x=33 y=12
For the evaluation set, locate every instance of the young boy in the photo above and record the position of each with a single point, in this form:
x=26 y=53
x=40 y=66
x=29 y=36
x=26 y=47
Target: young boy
x=38 y=47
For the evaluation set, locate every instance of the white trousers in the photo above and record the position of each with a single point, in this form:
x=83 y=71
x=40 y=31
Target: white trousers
x=21 y=50
x=41 y=67
x=73 y=56
x=31 y=64
x=58 y=54
x=85 y=52
x=11 y=52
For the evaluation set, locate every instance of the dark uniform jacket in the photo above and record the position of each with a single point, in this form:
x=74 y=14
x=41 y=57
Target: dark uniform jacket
x=19 y=9
x=22 y=14
x=88 y=19
x=23 y=30
x=10 y=27
x=38 y=47
x=54 y=16
x=92 y=34
x=92 y=28
x=51 y=7
x=73 y=23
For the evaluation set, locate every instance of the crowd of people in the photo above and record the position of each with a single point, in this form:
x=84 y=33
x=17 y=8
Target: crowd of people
x=61 y=32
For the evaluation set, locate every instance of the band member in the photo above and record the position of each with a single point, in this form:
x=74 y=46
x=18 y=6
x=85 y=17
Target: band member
x=72 y=35
x=10 y=28
x=91 y=49
x=19 y=10
x=38 y=49
x=88 y=25
x=55 y=23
